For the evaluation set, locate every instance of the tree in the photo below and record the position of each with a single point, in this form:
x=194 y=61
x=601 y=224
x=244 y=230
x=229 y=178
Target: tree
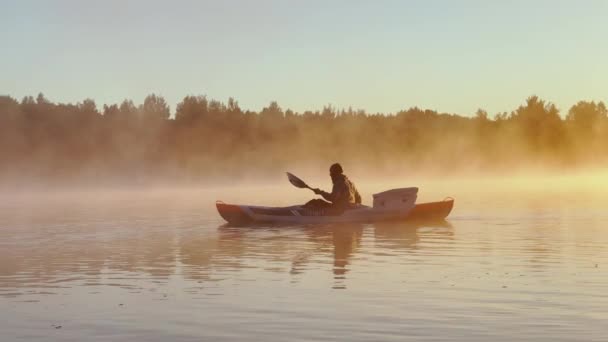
x=536 y=112
x=272 y=112
x=111 y=112
x=540 y=124
x=8 y=107
x=233 y=106
x=585 y=115
x=27 y=100
x=481 y=115
x=40 y=99
x=329 y=112
x=88 y=107
x=192 y=108
x=127 y=109
x=155 y=108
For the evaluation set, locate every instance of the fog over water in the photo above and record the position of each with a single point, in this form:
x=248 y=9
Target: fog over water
x=210 y=142
x=518 y=258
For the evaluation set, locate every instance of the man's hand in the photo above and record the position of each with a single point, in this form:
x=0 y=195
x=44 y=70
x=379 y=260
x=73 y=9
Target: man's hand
x=317 y=191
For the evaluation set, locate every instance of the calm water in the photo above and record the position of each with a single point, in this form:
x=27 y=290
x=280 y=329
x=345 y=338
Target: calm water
x=512 y=263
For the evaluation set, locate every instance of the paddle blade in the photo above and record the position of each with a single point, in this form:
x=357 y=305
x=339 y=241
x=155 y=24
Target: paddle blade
x=297 y=182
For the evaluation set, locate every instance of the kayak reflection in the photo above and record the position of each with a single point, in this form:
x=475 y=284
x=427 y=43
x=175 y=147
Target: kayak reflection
x=340 y=243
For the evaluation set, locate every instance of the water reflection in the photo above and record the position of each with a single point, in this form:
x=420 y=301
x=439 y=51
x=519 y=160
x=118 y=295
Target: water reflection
x=106 y=256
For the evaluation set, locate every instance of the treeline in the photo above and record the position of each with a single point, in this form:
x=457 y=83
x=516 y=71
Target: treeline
x=207 y=139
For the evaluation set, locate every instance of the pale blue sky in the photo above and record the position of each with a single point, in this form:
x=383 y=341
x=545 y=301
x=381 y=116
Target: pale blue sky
x=453 y=56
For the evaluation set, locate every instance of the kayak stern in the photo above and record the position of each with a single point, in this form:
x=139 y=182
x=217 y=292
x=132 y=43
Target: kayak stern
x=432 y=210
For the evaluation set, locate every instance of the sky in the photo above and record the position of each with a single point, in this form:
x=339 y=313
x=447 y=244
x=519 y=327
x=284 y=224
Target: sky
x=381 y=56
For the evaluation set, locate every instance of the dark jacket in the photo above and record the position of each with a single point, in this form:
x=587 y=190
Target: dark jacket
x=343 y=194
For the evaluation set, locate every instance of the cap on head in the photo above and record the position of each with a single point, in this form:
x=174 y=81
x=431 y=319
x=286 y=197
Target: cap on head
x=336 y=169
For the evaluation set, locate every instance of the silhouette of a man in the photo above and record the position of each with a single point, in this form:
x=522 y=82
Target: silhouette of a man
x=343 y=194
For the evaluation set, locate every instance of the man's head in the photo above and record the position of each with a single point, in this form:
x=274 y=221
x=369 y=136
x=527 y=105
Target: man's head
x=335 y=170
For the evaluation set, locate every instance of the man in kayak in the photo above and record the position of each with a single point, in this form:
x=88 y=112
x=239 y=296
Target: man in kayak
x=343 y=193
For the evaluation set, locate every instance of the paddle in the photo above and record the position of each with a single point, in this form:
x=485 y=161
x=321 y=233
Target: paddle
x=297 y=182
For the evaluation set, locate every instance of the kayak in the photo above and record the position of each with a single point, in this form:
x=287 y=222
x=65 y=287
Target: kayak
x=392 y=205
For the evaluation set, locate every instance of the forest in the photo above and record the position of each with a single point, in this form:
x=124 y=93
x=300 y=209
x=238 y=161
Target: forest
x=209 y=140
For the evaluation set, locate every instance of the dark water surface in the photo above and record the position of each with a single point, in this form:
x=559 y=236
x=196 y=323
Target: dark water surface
x=161 y=265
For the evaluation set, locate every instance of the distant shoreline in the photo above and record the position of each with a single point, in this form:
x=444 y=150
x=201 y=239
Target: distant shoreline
x=213 y=142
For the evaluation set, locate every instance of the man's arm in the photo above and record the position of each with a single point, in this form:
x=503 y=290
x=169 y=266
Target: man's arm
x=326 y=195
